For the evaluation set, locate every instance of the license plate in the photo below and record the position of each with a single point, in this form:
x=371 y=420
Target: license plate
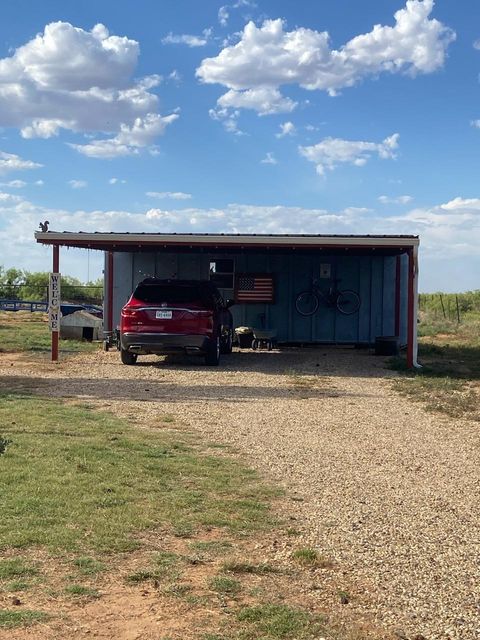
x=163 y=315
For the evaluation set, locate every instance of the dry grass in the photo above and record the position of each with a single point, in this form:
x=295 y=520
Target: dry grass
x=448 y=381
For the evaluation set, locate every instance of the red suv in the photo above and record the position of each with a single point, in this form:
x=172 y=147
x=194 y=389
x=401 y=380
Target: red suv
x=171 y=316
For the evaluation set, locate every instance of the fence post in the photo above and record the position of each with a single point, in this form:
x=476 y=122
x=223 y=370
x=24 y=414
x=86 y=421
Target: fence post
x=55 y=334
x=443 y=306
x=458 y=309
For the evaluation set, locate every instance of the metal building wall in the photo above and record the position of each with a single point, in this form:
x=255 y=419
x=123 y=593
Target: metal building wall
x=373 y=277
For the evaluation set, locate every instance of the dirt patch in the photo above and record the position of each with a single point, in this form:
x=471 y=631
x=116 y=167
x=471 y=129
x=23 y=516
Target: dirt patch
x=183 y=604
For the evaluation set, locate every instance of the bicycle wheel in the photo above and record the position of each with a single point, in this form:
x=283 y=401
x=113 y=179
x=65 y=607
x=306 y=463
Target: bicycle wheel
x=348 y=302
x=306 y=303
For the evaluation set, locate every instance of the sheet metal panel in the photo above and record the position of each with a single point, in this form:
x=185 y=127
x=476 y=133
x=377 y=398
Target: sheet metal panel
x=373 y=277
x=388 y=311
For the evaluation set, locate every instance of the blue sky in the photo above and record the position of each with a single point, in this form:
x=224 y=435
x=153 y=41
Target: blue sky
x=313 y=117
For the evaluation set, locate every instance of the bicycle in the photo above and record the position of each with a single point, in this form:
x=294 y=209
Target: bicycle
x=345 y=301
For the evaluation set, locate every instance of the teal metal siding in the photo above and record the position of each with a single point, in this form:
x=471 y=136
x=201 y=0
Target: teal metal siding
x=373 y=277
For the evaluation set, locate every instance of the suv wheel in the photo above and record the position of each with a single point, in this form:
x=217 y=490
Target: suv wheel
x=127 y=357
x=212 y=354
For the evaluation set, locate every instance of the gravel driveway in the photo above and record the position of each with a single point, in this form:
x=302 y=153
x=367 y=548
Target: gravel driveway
x=386 y=491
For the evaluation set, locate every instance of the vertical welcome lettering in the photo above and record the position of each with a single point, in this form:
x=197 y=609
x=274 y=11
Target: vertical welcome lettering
x=54 y=302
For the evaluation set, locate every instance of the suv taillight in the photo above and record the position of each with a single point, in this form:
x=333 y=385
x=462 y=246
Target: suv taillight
x=130 y=318
x=128 y=312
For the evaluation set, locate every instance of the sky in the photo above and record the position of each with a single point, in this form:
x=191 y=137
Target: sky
x=265 y=116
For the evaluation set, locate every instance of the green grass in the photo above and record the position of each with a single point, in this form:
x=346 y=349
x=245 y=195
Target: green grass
x=28 y=332
x=212 y=547
x=83 y=485
x=88 y=566
x=184 y=529
x=80 y=590
x=20 y=618
x=78 y=480
x=143 y=575
x=442 y=307
x=17 y=585
x=16 y=568
x=225 y=586
x=179 y=590
x=306 y=556
x=164 y=566
x=277 y=621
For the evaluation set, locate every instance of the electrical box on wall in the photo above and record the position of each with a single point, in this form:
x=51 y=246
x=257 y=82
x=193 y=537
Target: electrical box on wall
x=325 y=271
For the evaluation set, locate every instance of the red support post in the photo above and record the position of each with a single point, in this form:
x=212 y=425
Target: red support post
x=398 y=281
x=110 y=291
x=55 y=334
x=411 y=320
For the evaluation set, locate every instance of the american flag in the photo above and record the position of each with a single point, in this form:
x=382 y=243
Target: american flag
x=254 y=288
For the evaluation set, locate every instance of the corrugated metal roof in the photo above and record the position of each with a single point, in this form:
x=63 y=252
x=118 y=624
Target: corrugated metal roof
x=130 y=241
x=40 y=234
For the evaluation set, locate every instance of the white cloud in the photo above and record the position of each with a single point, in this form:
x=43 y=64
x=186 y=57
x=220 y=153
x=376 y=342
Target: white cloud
x=11 y=162
x=129 y=140
x=172 y=195
x=269 y=159
x=476 y=44
x=224 y=11
x=116 y=181
x=331 y=152
x=45 y=128
x=475 y=123
x=462 y=204
x=448 y=232
x=268 y=57
x=14 y=184
x=223 y=15
x=81 y=81
x=286 y=129
x=264 y=100
x=174 y=76
x=105 y=149
x=229 y=120
x=39 y=183
x=78 y=184
x=189 y=40
x=395 y=200
x=356 y=211
x=8 y=199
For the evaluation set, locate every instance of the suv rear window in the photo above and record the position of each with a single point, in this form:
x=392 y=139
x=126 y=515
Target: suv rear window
x=173 y=294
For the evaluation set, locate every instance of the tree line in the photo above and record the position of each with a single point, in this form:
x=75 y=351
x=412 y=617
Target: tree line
x=18 y=284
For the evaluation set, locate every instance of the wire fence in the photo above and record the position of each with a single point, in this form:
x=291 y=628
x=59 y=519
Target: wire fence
x=449 y=306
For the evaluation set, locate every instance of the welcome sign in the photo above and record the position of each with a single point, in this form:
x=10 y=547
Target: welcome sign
x=54 y=302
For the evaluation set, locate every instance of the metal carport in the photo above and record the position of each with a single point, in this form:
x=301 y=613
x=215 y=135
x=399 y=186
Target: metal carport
x=382 y=269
